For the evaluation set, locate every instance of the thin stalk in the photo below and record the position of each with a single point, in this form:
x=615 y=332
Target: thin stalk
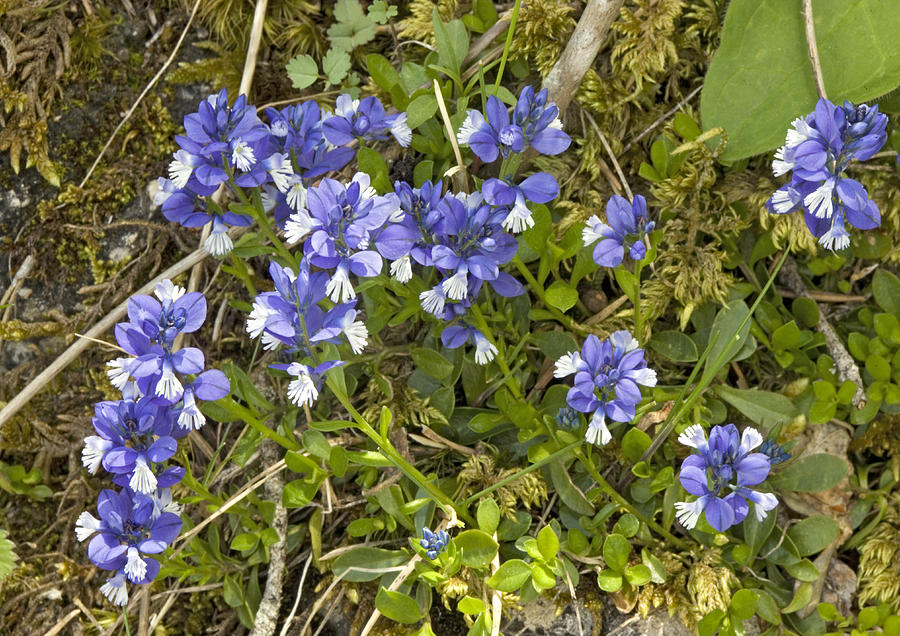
x=509 y=37
x=398 y=460
x=624 y=503
x=636 y=302
x=538 y=290
x=511 y=383
x=125 y=620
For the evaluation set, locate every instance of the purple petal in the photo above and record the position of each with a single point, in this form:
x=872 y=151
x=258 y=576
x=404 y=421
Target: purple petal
x=366 y=264
x=454 y=336
x=507 y=286
x=739 y=505
x=162 y=449
x=609 y=252
x=484 y=146
x=188 y=360
x=211 y=385
x=551 y=141
x=540 y=187
x=753 y=469
x=497 y=192
x=719 y=514
x=195 y=305
x=693 y=479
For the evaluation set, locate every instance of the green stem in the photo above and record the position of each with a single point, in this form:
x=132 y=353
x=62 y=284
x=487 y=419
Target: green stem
x=588 y=463
x=511 y=478
x=636 y=302
x=398 y=460
x=125 y=620
x=506 y=47
x=538 y=290
x=511 y=382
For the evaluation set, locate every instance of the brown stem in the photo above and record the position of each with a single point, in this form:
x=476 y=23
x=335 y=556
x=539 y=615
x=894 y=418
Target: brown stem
x=813 y=47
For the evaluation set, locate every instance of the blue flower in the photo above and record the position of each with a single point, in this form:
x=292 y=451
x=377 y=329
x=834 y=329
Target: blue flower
x=538 y=188
x=304 y=388
x=456 y=336
x=774 y=451
x=469 y=245
x=534 y=122
x=291 y=315
x=409 y=237
x=338 y=228
x=628 y=224
x=719 y=473
x=220 y=139
x=434 y=542
x=366 y=118
x=607 y=375
x=567 y=418
x=149 y=336
x=817 y=151
x=130 y=527
x=133 y=434
x=297 y=129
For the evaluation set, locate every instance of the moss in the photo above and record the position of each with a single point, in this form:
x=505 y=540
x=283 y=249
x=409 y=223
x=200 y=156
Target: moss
x=16 y=330
x=879 y=567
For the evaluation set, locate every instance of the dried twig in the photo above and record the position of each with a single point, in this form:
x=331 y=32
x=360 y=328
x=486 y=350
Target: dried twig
x=565 y=77
x=843 y=361
x=813 y=48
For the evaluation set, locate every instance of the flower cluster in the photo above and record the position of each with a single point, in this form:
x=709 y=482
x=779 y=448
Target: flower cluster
x=291 y=317
x=434 y=542
x=607 y=374
x=628 y=224
x=534 y=123
x=817 y=151
x=719 y=473
x=337 y=227
x=136 y=435
x=231 y=145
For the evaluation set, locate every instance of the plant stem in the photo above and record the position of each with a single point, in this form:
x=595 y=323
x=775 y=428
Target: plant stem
x=125 y=620
x=511 y=382
x=398 y=460
x=506 y=47
x=624 y=503
x=636 y=302
x=538 y=290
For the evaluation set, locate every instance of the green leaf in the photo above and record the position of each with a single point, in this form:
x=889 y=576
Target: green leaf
x=423 y=172
x=555 y=344
x=615 y=552
x=420 y=110
x=381 y=12
x=726 y=338
x=803 y=570
x=8 y=557
x=244 y=541
x=397 y=606
x=635 y=443
x=353 y=27
x=813 y=534
x=541 y=577
x=886 y=289
x=789 y=336
x=299 y=493
x=380 y=69
x=488 y=515
x=548 y=543
x=806 y=310
x=365 y=525
x=510 y=575
x=561 y=295
x=627 y=525
x=657 y=569
x=637 y=575
x=743 y=604
x=568 y=492
x=374 y=164
x=470 y=605
x=302 y=71
x=431 y=362
x=336 y=65
x=367 y=564
x=232 y=591
x=674 y=345
x=709 y=624
x=812 y=473
x=609 y=581
x=316 y=443
x=761 y=78
x=478 y=548
x=763 y=407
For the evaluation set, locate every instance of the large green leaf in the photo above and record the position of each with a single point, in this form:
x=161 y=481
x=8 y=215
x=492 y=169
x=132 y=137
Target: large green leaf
x=761 y=77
